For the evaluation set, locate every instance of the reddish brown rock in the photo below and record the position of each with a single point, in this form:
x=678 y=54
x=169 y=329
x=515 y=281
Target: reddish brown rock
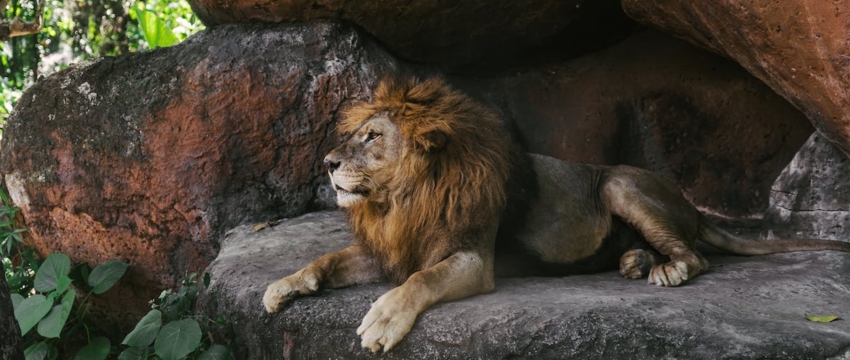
x=797 y=47
x=659 y=103
x=471 y=35
x=149 y=158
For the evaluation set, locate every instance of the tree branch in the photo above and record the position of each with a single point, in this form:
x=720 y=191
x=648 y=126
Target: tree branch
x=18 y=27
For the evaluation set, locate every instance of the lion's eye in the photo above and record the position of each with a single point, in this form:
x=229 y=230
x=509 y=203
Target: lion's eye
x=372 y=135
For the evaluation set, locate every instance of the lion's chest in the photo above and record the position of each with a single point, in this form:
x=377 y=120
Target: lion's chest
x=401 y=249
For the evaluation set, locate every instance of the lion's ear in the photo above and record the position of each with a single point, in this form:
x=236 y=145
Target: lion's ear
x=432 y=141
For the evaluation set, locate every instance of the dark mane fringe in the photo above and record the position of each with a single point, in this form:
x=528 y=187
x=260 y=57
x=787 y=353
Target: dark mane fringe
x=449 y=184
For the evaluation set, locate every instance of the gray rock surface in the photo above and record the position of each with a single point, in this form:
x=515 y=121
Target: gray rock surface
x=811 y=197
x=744 y=307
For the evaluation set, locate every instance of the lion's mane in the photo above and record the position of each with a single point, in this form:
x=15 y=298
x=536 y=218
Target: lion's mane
x=447 y=187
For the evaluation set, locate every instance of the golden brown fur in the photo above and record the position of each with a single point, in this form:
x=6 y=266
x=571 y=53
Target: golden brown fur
x=449 y=183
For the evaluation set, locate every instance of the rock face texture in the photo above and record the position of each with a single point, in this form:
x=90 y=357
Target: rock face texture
x=11 y=346
x=811 y=198
x=149 y=158
x=476 y=35
x=658 y=103
x=743 y=308
x=797 y=47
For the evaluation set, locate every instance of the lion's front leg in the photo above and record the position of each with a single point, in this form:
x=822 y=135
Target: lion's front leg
x=393 y=314
x=346 y=267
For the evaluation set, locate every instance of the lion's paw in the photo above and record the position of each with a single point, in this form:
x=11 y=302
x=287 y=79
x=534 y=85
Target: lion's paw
x=673 y=273
x=635 y=264
x=386 y=323
x=281 y=292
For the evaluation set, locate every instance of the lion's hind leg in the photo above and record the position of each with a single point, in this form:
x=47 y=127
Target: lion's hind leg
x=658 y=211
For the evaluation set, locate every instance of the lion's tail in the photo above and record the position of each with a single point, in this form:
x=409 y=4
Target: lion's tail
x=717 y=237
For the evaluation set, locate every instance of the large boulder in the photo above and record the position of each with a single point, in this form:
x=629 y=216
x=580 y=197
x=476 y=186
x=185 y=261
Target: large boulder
x=659 y=103
x=150 y=157
x=743 y=308
x=11 y=345
x=811 y=197
x=479 y=35
x=797 y=47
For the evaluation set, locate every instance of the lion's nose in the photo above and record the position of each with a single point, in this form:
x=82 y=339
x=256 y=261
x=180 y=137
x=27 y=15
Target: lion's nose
x=331 y=164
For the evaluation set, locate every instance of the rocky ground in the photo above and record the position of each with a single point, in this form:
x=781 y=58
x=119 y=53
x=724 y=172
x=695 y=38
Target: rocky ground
x=743 y=308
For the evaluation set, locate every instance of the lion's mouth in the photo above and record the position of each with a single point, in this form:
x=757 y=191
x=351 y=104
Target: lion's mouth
x=355 y=191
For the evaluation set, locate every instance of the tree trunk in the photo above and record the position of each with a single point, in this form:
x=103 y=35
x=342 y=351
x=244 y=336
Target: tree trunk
x=10 y=333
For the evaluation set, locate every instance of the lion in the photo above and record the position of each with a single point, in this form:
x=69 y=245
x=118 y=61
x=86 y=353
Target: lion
x=440 y=198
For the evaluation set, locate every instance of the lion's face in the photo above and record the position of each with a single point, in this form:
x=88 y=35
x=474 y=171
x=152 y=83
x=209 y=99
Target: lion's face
x=356 y=166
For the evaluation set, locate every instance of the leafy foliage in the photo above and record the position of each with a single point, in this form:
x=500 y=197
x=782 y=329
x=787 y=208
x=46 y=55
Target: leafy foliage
x=174 y=332
x=80 y=30
x=53 y=268
x=48 y=310
x=146 y=330
x=184 y=334
x=10 y=237
x=178 y=339
x=107 y=274
x=97 y=349
x=45 y=300
x=42 y=295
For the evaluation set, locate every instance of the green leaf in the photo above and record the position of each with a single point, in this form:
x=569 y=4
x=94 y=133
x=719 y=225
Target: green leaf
x=52 y=352
x=822 y=318
x=37 y=351
x=16 y=300
x=215 y=352
x=107 y=274
x=31 y=310
x=97 y=349
x=145 y=332
x=206 y=279
x=177 y=339
x=3 y=195
x=62 y=283
x=134 y=353
x=156 y=32
x=55 y=266
x=51 y=325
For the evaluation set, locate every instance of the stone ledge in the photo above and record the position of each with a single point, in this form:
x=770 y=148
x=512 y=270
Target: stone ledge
x=745 y=307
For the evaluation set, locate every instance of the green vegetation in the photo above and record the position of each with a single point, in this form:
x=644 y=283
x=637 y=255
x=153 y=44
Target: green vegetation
x=51 y=302
x=53 y=323
x=48 y=308
x=80 y=30
x=184 y=334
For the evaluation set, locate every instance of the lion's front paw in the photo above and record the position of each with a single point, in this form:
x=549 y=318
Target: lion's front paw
x=281 y=292
x=386 y=323
x=672 y=273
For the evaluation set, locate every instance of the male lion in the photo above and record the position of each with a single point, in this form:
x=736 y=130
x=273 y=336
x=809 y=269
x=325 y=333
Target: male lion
x=434 y=185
